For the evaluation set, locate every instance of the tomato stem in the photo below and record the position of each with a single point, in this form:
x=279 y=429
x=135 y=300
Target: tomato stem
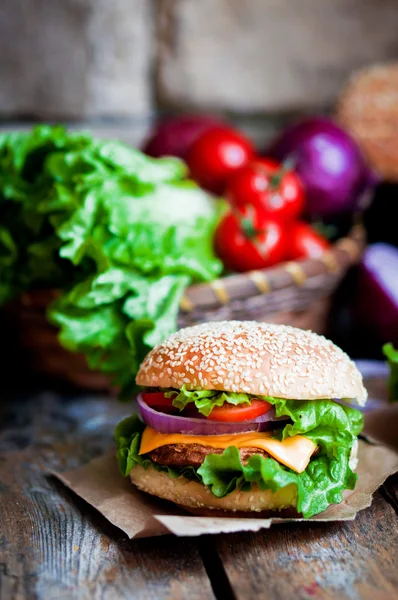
x=246 y=223
x=276 y=178
x=248 y=228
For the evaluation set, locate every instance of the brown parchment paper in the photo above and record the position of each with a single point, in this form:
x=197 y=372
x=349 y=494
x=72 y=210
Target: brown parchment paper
x=141 y=515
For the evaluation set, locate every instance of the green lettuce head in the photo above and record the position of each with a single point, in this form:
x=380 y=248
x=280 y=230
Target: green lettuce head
x=121 y=235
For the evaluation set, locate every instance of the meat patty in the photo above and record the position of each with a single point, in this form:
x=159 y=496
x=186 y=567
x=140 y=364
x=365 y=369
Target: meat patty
x=184 y=455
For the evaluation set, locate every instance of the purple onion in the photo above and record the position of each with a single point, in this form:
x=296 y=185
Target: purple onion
x=165 y=423
x=173 y=137
x=330 y=164
x=377 y=293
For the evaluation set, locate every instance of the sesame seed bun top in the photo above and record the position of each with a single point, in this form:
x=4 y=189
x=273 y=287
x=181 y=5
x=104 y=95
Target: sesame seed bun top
x=255 y=358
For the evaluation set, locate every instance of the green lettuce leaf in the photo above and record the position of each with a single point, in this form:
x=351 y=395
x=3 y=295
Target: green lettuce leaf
x=392 y=357
x=128 y=440
x=120 y=234
x=205 y=400
x=316 y=419
x=332 y=427
x=320 y=485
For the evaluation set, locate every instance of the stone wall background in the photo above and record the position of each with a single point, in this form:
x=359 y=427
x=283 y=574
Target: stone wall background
x=110 y=62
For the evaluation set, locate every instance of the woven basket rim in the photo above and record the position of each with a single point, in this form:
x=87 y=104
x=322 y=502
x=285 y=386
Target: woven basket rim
x=345 y=252
x=294 y=275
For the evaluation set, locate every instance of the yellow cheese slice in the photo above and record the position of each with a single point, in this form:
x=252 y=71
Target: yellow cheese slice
x=294 y=452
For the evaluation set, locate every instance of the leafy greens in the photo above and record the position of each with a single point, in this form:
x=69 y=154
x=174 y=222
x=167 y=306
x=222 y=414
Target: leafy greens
x=205 y=400
x=332 y=427
x=120 y=234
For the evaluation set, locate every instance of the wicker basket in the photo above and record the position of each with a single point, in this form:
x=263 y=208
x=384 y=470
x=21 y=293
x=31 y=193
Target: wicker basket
x=296 y=293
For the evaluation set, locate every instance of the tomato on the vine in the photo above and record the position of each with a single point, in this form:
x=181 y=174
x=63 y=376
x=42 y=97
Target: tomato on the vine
x=229 y=413
x=305 y=242
x=248 y=239
x=265 y=183
x=215 y=155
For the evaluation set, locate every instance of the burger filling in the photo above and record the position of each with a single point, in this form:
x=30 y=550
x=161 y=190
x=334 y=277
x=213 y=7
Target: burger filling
x=186 y=455
x=277 y=442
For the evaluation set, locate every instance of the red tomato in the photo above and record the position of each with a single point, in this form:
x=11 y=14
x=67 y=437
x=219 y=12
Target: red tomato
x=267 y=184
x=305 y=242
x=243 y=412
x=248 y=239
x=215 y=155
x=157 y=400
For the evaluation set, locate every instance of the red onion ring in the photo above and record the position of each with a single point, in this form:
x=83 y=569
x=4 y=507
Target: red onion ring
x=165 y=423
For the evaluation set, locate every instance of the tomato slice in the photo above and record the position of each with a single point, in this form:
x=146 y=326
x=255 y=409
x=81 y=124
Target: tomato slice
x=157 y=399
x=244 y=412
x=226 y=413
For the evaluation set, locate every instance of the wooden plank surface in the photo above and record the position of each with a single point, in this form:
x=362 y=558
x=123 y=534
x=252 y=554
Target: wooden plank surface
x=51 y=544
x=322 y=561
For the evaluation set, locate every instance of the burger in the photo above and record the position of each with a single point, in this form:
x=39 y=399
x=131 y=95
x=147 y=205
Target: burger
x=240 y=417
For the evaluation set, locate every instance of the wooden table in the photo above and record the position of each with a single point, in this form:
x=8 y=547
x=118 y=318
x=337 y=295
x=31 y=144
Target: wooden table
x=53 y=545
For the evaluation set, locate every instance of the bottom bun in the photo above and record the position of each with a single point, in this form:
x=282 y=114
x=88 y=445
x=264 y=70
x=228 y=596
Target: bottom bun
x=198 y=499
